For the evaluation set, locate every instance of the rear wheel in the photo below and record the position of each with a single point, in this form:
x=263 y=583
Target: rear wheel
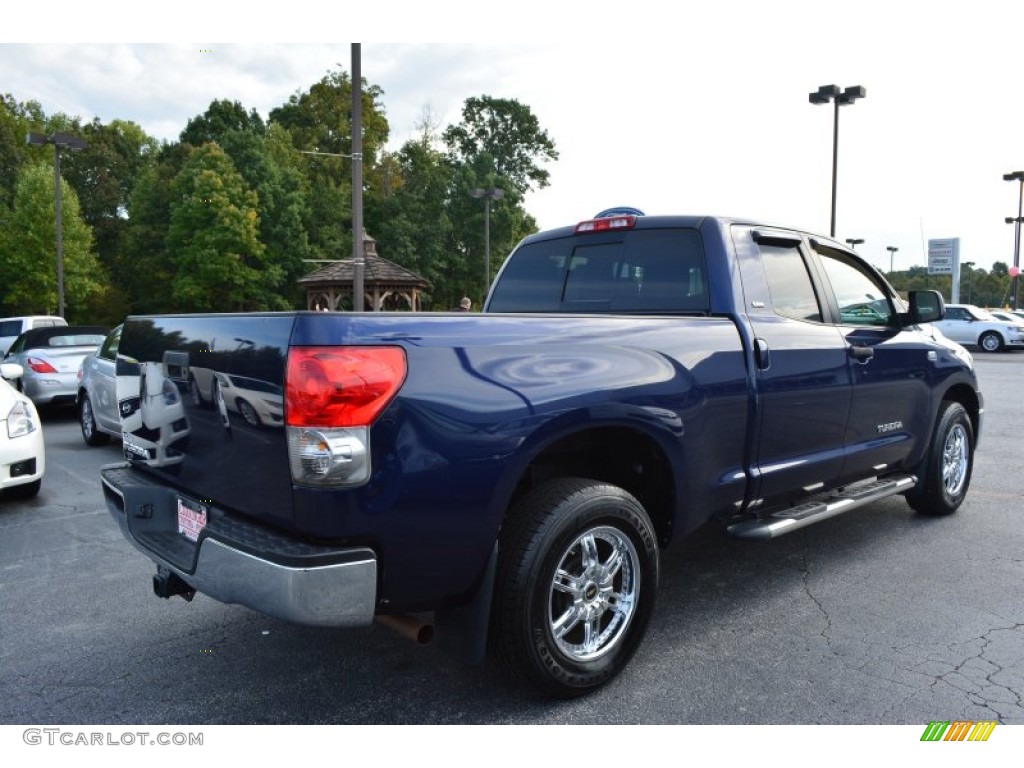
x=991 y=341
x=947 y=468
x=87 y=419
x=577 y=577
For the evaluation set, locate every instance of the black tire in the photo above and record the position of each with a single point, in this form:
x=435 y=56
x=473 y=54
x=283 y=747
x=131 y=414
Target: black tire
x=26 y=491
x=573 y=527
x=87 y=421
x=946 y=471
x=990 y=341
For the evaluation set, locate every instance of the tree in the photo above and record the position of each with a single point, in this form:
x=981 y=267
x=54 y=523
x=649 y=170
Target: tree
x=319 y=120
x=281 y=200
x=16 y=120
x=507 y=131
x=104 y=175
x=410 y=220
x=220 y=118
x=28 y=254
x=220 y=264
x=144 y=266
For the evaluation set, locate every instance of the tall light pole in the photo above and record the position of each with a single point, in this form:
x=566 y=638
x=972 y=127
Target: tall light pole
x=73 y=143
x=487 y=194
x=854 y=242
x=970 y=277
x=1016 y=176
x=824 y=95
x=892 y=252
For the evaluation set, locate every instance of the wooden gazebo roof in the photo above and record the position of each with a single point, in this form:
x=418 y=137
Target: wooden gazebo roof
x=330 y=285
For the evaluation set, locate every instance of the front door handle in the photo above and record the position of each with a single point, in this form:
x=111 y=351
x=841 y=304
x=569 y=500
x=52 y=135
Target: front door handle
x=861 y=354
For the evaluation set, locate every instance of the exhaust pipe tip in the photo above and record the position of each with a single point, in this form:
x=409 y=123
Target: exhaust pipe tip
x=409 y=627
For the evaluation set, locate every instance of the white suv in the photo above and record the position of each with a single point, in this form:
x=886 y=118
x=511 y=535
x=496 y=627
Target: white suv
x=969 y=324
x=12 y=327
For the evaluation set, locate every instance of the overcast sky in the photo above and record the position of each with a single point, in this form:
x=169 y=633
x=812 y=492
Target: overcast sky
x=703 y=111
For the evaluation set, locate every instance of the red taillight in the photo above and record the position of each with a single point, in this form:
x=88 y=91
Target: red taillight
x=40 y=366
x=610 y=222
x=340 y=386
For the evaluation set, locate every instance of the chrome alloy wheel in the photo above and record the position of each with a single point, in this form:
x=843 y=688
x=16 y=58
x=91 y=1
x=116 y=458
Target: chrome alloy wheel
x=955 y=460
x=88 y=422
x=594 y=593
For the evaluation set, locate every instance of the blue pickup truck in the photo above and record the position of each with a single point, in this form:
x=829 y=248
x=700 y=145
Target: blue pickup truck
x=508 y=481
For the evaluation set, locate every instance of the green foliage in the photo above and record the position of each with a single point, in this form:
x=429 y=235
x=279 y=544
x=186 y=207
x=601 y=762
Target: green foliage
x=104 y=175
x=227 y=218
x=144 y=267
x=507 y=131
x=980 y=287
x=220 y=118
x=319 y=120
x=213 y=240
x=28 y=252
x=411 y=221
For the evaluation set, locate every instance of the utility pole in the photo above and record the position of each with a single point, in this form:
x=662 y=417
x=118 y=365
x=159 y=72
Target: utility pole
x=358 y=264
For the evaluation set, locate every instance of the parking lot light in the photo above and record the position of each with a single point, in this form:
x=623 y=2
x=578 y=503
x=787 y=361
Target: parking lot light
x=840 y=97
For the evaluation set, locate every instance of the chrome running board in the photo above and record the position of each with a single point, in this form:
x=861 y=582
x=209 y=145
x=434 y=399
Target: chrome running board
x=771 y=525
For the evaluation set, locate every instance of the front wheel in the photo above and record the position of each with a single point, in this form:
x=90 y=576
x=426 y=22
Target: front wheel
x=947 y=468
x=248 y=413
x=991 y=341
x=576 y=582
x=87 y=419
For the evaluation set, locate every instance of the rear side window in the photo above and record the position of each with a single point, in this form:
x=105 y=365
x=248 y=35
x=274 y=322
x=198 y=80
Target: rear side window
x=10 y=327
x=789 y=283
x=645 y=271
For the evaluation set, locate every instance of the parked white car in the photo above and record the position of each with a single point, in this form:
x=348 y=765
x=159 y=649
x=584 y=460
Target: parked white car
x=22 y=452
x=968 y=324
x=259 y=402
x=12 y=327
x=1008 y=315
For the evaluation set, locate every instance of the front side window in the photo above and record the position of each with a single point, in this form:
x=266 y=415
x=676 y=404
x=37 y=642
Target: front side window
x=861 y=300
x=109 y=351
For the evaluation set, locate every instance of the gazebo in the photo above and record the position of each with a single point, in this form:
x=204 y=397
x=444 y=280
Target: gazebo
x=386 y=284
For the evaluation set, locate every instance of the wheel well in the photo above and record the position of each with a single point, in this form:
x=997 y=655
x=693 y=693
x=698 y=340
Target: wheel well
x=968 y=398
x=617 y=455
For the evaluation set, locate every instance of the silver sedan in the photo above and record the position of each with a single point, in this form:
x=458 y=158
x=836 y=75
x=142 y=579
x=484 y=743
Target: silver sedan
x=50 y=358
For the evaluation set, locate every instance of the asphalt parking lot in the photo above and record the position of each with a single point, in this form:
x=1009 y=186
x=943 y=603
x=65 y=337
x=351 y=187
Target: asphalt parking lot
x=876 y=617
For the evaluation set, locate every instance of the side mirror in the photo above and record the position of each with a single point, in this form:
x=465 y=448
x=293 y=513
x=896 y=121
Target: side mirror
x=11 y=371
x=926 y=307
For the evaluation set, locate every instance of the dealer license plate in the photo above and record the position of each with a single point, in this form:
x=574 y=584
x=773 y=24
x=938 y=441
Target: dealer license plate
x=191 y=518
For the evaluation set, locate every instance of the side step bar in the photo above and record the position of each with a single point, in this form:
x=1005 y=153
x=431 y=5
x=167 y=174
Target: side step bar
x=775 y=524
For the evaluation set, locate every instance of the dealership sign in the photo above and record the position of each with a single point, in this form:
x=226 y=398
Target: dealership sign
x=943 y=256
